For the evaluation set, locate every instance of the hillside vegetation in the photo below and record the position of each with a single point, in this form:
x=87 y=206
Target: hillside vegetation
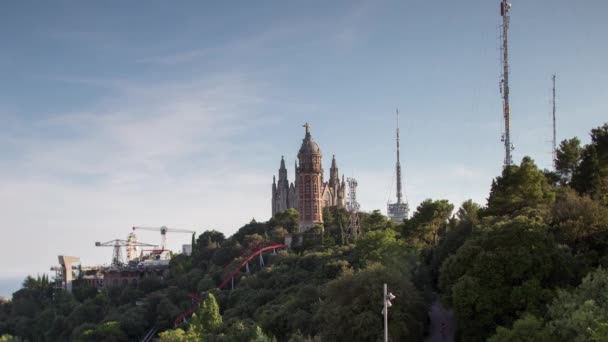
x=529 y=265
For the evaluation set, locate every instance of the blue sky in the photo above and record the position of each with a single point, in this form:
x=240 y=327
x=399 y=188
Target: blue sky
x=161 y=113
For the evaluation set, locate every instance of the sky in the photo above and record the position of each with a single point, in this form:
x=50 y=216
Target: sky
x=115 y=114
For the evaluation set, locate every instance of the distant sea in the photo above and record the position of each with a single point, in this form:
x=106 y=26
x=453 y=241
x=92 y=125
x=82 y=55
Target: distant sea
x=10 y=285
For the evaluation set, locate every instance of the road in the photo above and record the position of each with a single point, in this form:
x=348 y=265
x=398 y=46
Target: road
x=443 y=325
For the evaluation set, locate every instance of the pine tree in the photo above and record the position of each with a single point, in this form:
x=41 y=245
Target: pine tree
x=210 y=314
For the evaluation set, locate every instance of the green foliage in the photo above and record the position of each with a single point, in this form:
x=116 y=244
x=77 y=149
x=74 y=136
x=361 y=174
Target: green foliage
x=582 y=313
x=240 y=331
x=458 y=231
x=519 y=190
x=83 y=291
x=251 y=228
x=427 y=223
x=174 y=335
x=380 y=246
x=313 y=237
x=133 y=322
x=288 y=219
x=107 y=332
x=375 y=221
x=578 y=315
x=567 y=159
x=582 y=224
x=335 y=222
x=351 y=307
x=298 y=337
x=498 y=274
x=529 y=328
x=591 y=176
x=209 y=314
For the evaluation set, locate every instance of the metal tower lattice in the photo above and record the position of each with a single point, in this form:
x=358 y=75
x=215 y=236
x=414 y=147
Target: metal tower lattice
x=554 y=151
x=354 y=224
x=398 y=211
x=505 y=7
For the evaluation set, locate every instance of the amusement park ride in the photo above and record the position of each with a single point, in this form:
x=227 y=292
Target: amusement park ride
x=248 y=254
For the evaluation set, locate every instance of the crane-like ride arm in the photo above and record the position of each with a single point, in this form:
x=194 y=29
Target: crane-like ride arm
x=163 y=233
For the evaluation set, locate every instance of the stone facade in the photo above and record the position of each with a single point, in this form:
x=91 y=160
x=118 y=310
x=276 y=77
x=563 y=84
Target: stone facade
x=309 y=194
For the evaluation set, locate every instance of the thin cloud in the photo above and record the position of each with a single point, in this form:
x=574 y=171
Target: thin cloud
x=154 y=154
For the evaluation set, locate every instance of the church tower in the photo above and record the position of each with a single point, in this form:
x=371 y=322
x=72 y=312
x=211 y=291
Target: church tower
x=282 y=198
x=334 y=178
x=309 y=182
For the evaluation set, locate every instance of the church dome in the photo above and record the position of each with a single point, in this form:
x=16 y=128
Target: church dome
x=308 y=145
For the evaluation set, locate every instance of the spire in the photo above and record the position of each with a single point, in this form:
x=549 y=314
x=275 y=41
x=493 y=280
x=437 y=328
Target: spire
x=282 y=171
x=334 y=177
x=399 y=194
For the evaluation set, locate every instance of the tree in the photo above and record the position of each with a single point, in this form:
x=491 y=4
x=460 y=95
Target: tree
x=335 y=220
x=211 y=237
x=172 y=335
x=375 y=221
x=469 y=212
x=458 y=231
x=567 y=159
x=350 y=310
x=591 y=176
x=528 y=328
x=314 y=236
x=518 y=190
x=427 y=223
x=578 y=315
x=107 y=332
x=378 y=246
x=288 y=219
x=207 y=319
x=505 y=270
x=582 y=224
x=582 y=313
x=178 y=335
x=240 y=331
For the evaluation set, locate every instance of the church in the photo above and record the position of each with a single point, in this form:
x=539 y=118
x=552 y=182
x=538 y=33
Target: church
x=309 y=194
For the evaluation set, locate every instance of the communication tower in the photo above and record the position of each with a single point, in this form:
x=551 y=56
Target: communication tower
x=554 y=151
x=354 y=225
x=505 y=8
x=398 y=211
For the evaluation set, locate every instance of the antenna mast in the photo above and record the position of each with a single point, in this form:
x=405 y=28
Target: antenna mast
x=399 y=194
x=504 y=83
x=398 y=211
x=554 y=130
x=354 y=224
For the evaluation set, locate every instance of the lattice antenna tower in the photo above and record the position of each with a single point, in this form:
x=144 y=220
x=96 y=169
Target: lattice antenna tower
x=398 y=211
x=505 y=8
x=354 y=224
x=554 y=151
x=399 y=187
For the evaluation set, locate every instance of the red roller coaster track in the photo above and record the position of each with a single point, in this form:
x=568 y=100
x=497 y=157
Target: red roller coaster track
x=252 y=248
x=257 y=251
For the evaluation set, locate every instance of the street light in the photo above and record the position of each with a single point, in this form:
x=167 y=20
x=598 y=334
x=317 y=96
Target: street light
x=387 y=304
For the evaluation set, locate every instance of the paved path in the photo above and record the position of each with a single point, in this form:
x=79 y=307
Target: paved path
x=443 y=325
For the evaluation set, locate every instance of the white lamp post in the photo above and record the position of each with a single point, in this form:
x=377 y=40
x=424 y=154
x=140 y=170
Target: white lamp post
x=387 y=304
